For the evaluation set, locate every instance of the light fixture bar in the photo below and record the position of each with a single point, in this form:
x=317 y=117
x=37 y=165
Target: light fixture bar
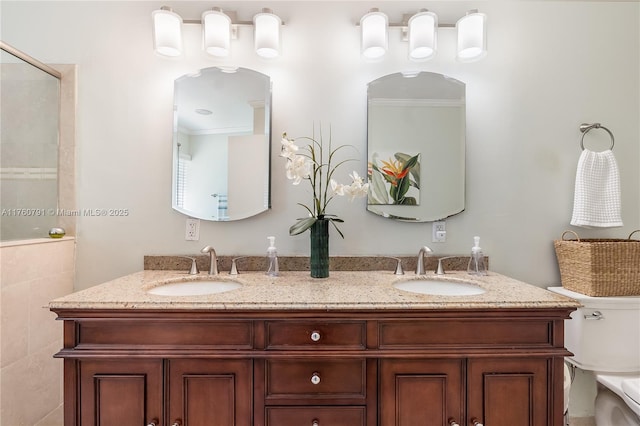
x=422 y=37
x=234 y=20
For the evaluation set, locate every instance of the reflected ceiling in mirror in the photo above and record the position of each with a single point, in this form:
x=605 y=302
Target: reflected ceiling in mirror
x=416 y=146
x=221 y=144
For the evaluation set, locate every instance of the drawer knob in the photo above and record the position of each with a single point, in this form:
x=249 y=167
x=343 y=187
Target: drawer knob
x=315 y=336
x=315 y=378
x=153 y=422
x=315 y=422
x=453 y=423
x=476 y=422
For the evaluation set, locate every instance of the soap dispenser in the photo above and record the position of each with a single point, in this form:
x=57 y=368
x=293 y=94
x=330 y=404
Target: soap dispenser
x=476 y=261
x=272 y=257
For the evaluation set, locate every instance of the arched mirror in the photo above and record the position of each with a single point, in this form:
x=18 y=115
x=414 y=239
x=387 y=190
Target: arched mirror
x=416 y=146
x=221 y=144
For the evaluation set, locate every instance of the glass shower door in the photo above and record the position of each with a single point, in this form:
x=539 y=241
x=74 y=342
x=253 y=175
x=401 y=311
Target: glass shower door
x=29 y=139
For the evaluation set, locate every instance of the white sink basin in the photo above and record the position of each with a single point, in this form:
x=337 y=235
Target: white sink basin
x=439 y=287
x=194 y=288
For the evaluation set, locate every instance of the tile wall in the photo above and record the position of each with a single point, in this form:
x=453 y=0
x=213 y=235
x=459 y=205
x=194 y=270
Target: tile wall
x=32 y=273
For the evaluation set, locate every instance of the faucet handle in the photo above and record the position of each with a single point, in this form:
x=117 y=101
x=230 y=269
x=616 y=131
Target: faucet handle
x=194 y=268
x=440 y=269
x=399 y=270
x=234 y=267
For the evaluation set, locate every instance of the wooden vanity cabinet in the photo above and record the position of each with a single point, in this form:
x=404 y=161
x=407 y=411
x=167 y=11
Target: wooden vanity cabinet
x=512 y=391
x=421 y=392
x=115 y=392
x=198 y=392
x=496 y=367
x=496 y=392
x=209 y=392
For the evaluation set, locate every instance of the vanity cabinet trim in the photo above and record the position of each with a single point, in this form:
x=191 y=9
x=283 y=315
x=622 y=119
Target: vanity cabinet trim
x=367 y=339
x=158 y=333
x=316 y=335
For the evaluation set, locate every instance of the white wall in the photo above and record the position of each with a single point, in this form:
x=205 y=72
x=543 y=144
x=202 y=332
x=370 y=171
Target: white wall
x=551 y=66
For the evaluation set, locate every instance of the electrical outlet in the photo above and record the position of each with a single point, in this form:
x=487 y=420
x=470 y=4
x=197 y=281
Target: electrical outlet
x=439 y=232
x=193 y=230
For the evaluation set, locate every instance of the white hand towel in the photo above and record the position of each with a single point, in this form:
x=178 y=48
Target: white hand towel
x=596 y=200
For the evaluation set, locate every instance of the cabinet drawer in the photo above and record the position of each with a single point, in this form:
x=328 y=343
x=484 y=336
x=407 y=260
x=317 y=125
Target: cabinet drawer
x=315 y=416
x=315 y=334
x=161 y=333
x=333 y=379
x=465 y=333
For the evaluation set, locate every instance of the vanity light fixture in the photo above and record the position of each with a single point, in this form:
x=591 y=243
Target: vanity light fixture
x=167 y=32
x=472 y=36
x=216 y=32
x=421 y=31
x=218 y=28
x=423 y=35
x=374 y=34
x=266 y=34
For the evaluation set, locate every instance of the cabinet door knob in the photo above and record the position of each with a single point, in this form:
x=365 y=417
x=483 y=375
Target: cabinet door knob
x=315 y=336
x=153 y=422
x=315 y=378
x=315 y=422
x=476 y=422
x=176 y=423
x=453 y=423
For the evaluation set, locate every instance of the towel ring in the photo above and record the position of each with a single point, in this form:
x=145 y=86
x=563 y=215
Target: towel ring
x=584 y=128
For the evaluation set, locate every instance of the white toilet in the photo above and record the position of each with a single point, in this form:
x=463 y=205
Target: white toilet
x=604 y=336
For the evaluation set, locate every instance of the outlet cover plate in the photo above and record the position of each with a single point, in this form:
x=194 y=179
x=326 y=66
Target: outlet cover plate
x=439 y=232
x=192 y=232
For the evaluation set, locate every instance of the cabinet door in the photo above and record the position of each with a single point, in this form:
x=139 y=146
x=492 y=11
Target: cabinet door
x=210 y=392
x=421 y=392
x=124 y=393
x=508 y=392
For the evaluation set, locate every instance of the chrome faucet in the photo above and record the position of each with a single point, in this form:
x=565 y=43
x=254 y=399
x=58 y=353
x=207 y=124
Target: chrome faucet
x=213 y=259
x=424 y=251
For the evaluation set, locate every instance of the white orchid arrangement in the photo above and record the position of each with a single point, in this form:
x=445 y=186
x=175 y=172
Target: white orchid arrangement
x=314 y=164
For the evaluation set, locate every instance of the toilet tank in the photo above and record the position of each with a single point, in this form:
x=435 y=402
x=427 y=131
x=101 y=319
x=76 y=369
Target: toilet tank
x=604 y=335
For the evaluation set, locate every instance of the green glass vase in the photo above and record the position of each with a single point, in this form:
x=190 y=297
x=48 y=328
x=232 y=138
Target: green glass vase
x=320 y=249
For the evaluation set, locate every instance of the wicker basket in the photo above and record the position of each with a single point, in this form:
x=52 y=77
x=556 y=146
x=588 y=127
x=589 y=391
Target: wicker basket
x=599 y=267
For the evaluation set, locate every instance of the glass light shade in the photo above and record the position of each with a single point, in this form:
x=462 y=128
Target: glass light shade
x=472 y=36
x=216 y=32
x=374 y=33
x=423 y=35
x=167 y=32
x=266 y=34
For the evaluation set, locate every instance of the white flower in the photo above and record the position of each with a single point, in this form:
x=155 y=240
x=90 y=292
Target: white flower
x=336 y=187
x=289 y=148
x=357 y=188
x=298 y=168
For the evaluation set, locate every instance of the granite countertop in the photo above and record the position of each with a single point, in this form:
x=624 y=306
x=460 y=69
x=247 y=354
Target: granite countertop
x=296 y=290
